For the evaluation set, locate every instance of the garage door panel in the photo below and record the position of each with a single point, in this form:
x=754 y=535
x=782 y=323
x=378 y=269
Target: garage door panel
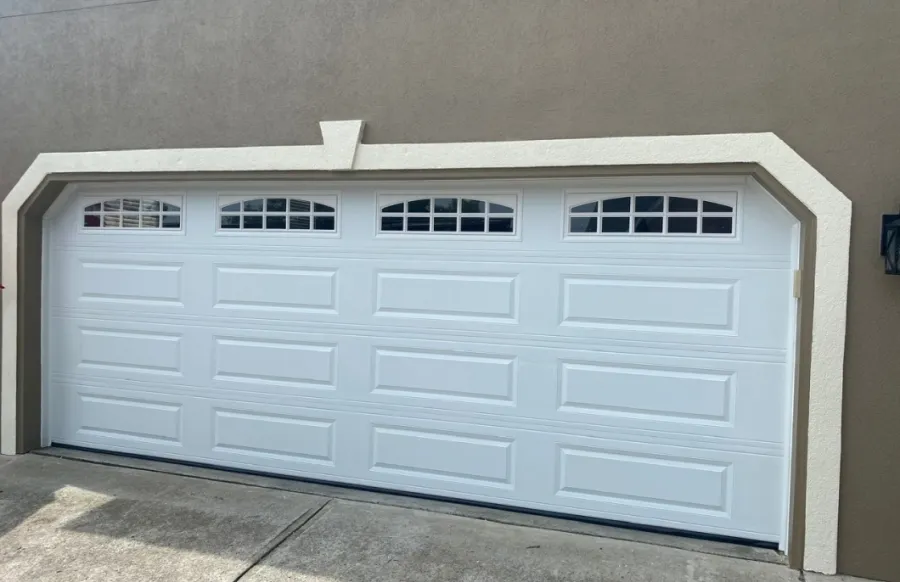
x=725 y=307
x=103 y=349
x=278 y=289
x=445 y=376
x=97 y=415
x=294 y=363
x=666 y=394
x=281 y=436
x=123 y=282
x=675 y=483
x=456 y=454
x=674 y=304
x=740 y=400
x=98 y=348
x=470 y=297
x=718 y=489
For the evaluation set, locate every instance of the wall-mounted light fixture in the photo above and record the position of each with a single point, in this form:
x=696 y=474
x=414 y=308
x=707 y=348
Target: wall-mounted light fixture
x=890 y=243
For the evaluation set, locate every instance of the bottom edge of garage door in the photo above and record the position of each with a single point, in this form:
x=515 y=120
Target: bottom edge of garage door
x=248 y=469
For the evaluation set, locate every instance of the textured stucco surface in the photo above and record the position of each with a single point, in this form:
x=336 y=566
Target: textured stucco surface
x=821 y=74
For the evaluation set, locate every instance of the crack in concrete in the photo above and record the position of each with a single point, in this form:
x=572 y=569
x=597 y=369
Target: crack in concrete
x=290 y=529
x=76 y=9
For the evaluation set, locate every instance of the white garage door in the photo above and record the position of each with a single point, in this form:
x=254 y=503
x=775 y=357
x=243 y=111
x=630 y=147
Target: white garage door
x=612 y=349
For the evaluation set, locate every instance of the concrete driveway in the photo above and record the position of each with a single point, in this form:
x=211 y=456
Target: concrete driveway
x=69 y=515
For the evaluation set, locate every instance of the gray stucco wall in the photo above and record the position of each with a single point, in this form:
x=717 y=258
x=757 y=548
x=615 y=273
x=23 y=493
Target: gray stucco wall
x=822 y=74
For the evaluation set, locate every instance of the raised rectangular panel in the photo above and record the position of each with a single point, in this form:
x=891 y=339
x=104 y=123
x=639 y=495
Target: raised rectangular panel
x=276 y=289
x=286 y=363
x=133 y=283
x=449 y=376
x=130 y=351
x=443 y=455
x=667 y=394
x=678 y=305
x=673 y=483
x=281 y=436
x=133 y=419
x=460 y=296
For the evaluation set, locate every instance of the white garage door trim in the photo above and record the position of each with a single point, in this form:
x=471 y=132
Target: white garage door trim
x=342 y=151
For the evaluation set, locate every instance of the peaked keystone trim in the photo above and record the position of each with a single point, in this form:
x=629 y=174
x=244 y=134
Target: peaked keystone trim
x=341 y=140
x=341 y=150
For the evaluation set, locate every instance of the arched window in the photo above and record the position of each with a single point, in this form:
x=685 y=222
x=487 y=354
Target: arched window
x=129 y=213
x=278 y=213
x=449 y=214
x=653 y=214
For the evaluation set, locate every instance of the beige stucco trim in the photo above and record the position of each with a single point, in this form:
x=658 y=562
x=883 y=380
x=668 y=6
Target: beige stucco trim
x=342 y=151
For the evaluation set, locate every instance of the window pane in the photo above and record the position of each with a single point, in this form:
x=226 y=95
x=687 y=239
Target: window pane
x=253 y=206
x=682 y=224
x=131 y=220
x=299 y=206
x=323 y=223
x=714 y=207
x=445 y=224
x=171 y=221
x=418 y=223
x=252 y=222
x=131 y=204
x=445 y=205
x=585 y=224
x=589 y=207
x=615 y=224
x=648 y=204
x=472 y=206
x=500 y=209
x=423 y=205
x=300 y=223
x=318 y=207
x=617 y=205
x=648 y=224
x=472 y=224
x=92 y=208
x=276 y=222
x=150 y=205
x=678 y=204
x=236 y=207
x=500 y=225
x=228 y=221
x=112 y=205
x=393 y=208
x=276 y=205
x=389 y=223
x=92 y=220
x=716 y=225
x=150 y=221
x=113 y=220
x=173 y=208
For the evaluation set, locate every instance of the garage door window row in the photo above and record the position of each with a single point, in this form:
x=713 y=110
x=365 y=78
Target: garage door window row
x=448 y=215
x=131 y=213
x=662 y=214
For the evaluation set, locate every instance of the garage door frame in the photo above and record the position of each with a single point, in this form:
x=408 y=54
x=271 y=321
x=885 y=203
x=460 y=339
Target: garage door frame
x=824 y=210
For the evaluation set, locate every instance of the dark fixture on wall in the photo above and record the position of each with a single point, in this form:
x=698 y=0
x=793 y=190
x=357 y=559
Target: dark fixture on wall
x=890 y=243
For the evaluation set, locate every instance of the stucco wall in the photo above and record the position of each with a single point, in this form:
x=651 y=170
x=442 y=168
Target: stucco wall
x=822 y=74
